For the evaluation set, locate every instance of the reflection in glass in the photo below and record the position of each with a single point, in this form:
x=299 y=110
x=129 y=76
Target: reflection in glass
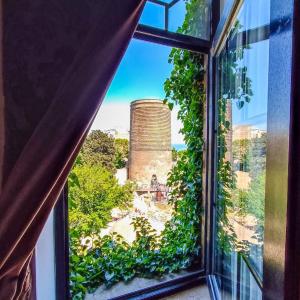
x=249 y=290
x=189 y=17
x=242 y=87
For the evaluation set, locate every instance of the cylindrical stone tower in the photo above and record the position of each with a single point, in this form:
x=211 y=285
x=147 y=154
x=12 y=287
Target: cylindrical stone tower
x=150 y=141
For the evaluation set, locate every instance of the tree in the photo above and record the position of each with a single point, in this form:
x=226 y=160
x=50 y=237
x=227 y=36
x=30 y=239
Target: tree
x=174 y=154
x=240 y=152
x=121 y=153
x=257 y=155
x=99 y=149
x=96 y=193
x=256 y=198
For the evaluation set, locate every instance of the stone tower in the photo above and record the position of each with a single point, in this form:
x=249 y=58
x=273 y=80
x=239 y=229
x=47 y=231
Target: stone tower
x=150 y=141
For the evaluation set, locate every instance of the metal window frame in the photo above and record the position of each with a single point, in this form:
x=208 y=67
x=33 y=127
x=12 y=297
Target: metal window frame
x=281 y=278
x=175 y=39
x=172 y=39
x=61 y=240
x=166 y=6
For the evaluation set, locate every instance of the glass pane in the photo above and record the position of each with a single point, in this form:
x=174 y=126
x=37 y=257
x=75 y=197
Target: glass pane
x=191 y=18
x=188 y=17
x=153 y=15
x=177 y=15
x=249 y=288
x=226 y=275
x=242 y=91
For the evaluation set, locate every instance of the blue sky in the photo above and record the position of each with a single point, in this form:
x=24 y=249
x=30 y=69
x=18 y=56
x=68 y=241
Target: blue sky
x=141 y=74
x=145 y=66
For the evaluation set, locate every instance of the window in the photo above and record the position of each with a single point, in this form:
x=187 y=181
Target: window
x=135 y=189
x=242 y=95
x=249 y=125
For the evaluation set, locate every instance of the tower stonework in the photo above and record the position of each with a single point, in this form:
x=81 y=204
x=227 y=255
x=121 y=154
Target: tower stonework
x=150 y=141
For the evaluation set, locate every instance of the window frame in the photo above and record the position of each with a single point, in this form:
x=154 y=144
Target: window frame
x=162 y=37
x=280 y=276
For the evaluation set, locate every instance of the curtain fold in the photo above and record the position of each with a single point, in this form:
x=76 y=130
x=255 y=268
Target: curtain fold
x=58 y=59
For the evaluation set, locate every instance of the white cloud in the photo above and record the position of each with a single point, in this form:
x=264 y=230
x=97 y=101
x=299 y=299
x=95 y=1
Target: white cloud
x=113 y=116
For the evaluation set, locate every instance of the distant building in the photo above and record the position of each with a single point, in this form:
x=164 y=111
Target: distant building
x=246 y=131
x=118 y=133
x=150 y=141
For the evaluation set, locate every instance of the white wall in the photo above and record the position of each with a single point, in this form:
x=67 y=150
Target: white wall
x=45 y=262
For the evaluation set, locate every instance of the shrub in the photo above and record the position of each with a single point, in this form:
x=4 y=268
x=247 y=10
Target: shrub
x=121 y=155
x=94 y=195
x=99 y=149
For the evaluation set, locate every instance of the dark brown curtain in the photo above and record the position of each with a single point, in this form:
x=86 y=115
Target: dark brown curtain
x=58 y=59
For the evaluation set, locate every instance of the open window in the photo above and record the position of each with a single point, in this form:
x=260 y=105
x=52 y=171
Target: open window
x=134 y=201
x=224 y=69
x=135 y=190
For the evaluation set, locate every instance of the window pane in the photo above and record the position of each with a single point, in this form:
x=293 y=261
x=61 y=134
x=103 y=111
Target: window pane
x=242 y=91
x=188 y=17
x=176 y=16
x=134 y=215
x=191 y=18
x=249 y=288
x=153 y=15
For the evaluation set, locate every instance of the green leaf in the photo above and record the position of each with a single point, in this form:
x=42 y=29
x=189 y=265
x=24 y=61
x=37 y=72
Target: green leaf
x=171 y=105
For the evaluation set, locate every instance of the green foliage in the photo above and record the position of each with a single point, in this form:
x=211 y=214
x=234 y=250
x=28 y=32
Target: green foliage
x=99 y=149
x=257 y=155
x=174 y=154
x=177 y=154
x=185 y=88
x=121 y=155
x=196 y=19
x=240 y=151
x=226 y=236
x=236 y=85
x=111 y=259
x=253 y=200
x=252 y=152
x=96 y=193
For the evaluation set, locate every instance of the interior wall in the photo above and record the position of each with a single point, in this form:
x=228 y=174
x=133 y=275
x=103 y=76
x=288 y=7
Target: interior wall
x=45 y=262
